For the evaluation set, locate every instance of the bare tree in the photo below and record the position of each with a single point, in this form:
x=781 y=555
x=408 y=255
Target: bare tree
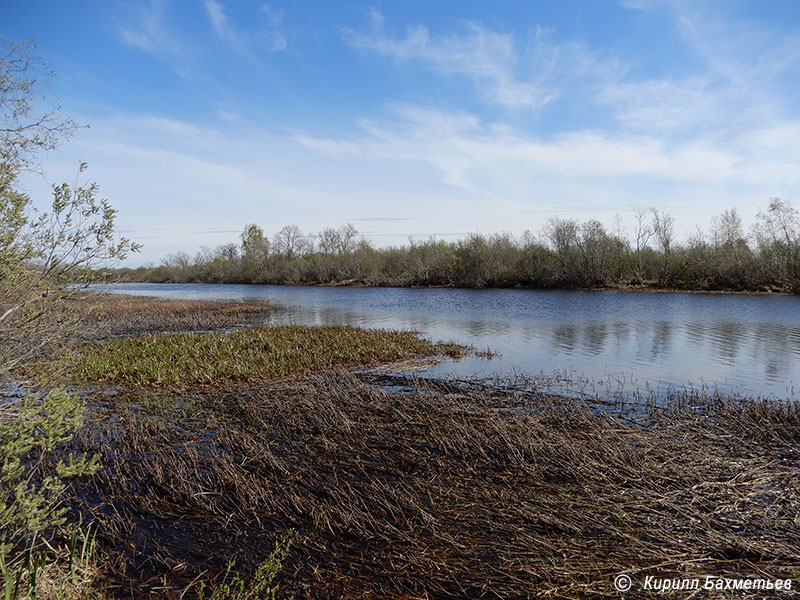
x=663 y=231
x=178 y=260
x=26 y=130
x=641 y=237
x=347 y=238
x=778 y=233
x=329 y=240
x=290 y=241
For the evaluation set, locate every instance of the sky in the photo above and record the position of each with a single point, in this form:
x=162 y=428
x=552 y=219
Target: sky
x=415 y=119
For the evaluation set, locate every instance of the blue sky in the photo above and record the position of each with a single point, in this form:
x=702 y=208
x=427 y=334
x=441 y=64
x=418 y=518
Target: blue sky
x=419 y=118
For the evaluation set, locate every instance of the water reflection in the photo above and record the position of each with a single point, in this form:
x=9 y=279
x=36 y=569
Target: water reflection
x=738 y=343
x=565 y=337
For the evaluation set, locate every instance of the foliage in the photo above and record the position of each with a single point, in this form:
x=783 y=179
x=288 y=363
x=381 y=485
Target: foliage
x=260 y=588
x=569 y=254
x=44 y=258
x=35 y=574
x=33 y=471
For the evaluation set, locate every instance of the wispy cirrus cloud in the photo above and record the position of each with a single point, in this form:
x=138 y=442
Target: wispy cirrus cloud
x=146 y=31
x=487 y=57
x=243 y=41
x=145 y=26
x=521 y=72
x=222 y=27
x=742 y=80
x=273 y=30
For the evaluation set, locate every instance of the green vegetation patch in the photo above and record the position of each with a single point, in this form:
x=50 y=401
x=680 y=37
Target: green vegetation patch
x=246 y=355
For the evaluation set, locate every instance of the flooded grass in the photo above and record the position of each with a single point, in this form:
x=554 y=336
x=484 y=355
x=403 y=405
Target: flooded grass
x=107 y=315
x=417 y=489
x=246 y=355
x=438 y=492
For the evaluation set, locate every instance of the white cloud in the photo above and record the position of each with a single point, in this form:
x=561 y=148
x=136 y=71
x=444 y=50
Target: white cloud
x=487 y=57
x=493 y=160
x=520 y=72
x=273 y=32
x=145 y=30
x=243 y=41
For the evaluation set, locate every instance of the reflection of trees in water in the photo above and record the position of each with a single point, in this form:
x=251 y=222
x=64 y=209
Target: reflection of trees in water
x=695 y=333
x=777 y=347
x=620 y=334
x=758 y=355
x=726 y=338
x=661 y=339
x=594 y=337
x=770 y=349
x=565 y=337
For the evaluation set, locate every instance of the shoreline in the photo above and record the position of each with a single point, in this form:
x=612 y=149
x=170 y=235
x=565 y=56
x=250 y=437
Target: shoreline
x=350 y=284
x=423 y=489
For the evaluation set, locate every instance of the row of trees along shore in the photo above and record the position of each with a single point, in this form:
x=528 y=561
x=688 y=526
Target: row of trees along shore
x=567 y=254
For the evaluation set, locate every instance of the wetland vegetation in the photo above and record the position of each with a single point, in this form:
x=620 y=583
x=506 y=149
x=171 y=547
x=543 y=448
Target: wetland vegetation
x=244 y=355
x=408 y=488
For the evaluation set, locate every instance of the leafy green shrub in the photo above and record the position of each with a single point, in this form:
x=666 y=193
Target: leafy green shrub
x=260 y=588
x=35 y=467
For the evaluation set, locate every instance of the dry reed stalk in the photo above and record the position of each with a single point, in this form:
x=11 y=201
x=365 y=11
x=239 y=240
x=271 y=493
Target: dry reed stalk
x=438 y=491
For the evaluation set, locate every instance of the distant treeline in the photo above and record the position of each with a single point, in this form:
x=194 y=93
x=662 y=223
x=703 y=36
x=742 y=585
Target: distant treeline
x=567 y=254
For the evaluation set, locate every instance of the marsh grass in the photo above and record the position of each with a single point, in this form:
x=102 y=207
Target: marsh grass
x=441 y=490
x=421 y=489
x=180 y=359
x=111 y=315
x=60 y=572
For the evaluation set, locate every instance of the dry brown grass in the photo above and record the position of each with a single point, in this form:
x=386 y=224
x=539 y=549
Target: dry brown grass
x=439 y=491
x=117 y=314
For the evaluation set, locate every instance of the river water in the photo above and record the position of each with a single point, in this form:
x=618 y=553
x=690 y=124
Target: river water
x=599 y=341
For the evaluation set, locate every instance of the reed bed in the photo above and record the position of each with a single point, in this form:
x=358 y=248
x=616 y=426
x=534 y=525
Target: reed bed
x=437 y=490
x=116 y=314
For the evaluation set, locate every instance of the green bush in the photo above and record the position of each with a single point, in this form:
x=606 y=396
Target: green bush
x=34 y=467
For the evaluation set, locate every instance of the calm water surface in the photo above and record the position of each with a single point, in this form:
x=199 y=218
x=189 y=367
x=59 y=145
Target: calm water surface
x=743 y=344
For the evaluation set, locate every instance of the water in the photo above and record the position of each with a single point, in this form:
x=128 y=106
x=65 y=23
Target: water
x=603 y=340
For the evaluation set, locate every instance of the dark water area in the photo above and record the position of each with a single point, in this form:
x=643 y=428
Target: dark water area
x=600 y=342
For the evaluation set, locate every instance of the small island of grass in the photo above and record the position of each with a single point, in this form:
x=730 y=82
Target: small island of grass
x=175 y=359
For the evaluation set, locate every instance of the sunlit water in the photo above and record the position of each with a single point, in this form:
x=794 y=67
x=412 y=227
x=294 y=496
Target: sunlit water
x=629 y=341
